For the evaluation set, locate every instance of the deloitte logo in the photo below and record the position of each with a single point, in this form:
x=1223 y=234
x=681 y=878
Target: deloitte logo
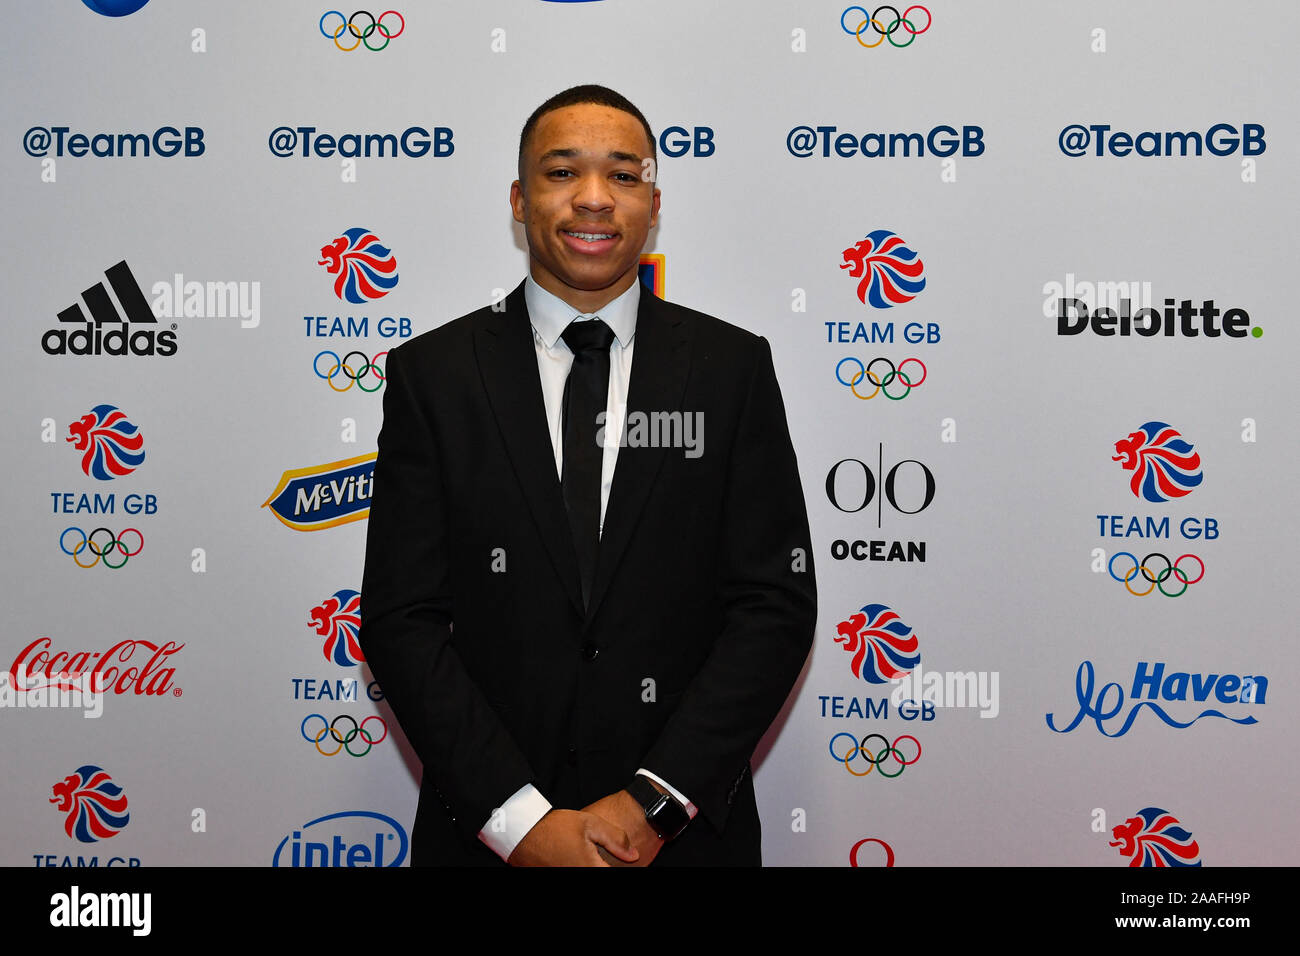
x=1182 y=318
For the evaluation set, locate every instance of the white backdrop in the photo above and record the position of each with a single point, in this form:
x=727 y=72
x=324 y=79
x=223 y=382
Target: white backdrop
x=1015 y=423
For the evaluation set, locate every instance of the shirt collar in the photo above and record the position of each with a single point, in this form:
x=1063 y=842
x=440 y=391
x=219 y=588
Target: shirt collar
x=551 y=315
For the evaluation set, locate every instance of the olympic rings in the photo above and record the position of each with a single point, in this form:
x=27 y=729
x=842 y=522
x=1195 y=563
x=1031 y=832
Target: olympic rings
x=362 y=36
x=874 y=762
x=345 y=741
x=1157 y=580
x=887 y=32
x=865 y=371
x=101 y=551
x=367 y=366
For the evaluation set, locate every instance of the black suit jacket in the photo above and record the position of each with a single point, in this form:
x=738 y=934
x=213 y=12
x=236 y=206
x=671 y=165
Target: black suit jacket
x=702 y=610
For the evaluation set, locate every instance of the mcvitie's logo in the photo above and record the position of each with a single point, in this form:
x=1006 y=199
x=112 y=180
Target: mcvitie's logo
x=134 y=333
x=324 y=496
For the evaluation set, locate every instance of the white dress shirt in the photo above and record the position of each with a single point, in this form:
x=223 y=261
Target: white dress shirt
x=550 y=316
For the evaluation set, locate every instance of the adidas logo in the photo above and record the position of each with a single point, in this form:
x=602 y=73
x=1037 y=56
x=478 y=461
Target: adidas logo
x=137 y=334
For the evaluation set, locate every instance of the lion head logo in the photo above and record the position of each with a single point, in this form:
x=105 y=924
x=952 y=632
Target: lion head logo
x=338 y=620
x=1164 y=464
x=111 y=445
x=888 y=272
x=1155 y=838
x=363 y=268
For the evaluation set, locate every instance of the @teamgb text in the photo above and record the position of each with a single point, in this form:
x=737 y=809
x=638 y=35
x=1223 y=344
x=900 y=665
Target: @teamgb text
x=885 y=28
x=854 y=371
x=355 y=368
x=362 y=33
x=1140 y=571
x=343 y=740
x=886 y=751
x=101 y=545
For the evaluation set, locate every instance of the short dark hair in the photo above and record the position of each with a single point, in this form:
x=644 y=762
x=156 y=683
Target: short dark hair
x=577 y=96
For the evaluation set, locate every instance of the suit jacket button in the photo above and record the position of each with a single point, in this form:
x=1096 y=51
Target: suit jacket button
x=573 y=756
x=590 y=651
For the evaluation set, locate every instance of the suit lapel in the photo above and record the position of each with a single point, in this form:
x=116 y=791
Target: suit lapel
x=507 y=361
x=660 y=361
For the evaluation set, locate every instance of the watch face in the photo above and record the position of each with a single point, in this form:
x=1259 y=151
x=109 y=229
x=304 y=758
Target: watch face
x=667 y=817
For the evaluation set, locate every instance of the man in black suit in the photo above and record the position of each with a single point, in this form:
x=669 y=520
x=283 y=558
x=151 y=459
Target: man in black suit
x=589 y=582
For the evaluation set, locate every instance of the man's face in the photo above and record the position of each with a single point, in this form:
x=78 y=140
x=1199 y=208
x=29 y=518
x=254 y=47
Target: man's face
x=584 y=203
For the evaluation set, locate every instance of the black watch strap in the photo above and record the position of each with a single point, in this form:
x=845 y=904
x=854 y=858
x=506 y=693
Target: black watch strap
x=662 y=811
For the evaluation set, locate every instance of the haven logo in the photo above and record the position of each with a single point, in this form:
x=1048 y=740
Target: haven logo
x=132 y=331
x=111 y=445
x=324 y=496
x=1155 y=690
x=338 y=620
x=1155 y=838
x=346 y=838
x=884 y=649
x=364 y=269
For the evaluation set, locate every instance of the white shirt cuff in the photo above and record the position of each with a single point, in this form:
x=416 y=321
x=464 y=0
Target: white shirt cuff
x=511 y=821
x=680 y=797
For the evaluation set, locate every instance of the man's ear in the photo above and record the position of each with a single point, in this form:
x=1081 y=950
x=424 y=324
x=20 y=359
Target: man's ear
x=517 y=200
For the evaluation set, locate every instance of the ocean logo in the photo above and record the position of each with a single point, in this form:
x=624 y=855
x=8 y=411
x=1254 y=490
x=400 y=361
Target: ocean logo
x=888 y=272
x=338 y=620
x=1163 y=462
x=883 y=647
x=324 y=496
x=94 y=804
x=1155 y=838
x=112 y=446
x=363 y=268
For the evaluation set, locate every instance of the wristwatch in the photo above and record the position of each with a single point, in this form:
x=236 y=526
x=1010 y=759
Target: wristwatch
x=662 y=811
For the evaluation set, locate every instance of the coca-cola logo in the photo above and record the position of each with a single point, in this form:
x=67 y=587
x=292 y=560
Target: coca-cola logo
x=37 y=668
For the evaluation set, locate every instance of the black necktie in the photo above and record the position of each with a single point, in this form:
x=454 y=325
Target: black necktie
x=585 y=393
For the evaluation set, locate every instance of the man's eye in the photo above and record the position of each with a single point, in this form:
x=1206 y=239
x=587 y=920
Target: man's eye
x=560 y=173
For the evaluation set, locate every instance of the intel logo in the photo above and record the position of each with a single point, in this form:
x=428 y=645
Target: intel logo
x=346 y=838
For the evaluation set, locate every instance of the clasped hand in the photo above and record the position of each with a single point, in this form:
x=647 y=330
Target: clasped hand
x=610 y=832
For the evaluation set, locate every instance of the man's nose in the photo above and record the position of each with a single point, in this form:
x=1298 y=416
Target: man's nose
x=593 y=194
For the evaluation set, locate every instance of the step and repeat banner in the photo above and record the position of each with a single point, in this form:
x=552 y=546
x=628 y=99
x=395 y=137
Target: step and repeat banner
x=1024 y=271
